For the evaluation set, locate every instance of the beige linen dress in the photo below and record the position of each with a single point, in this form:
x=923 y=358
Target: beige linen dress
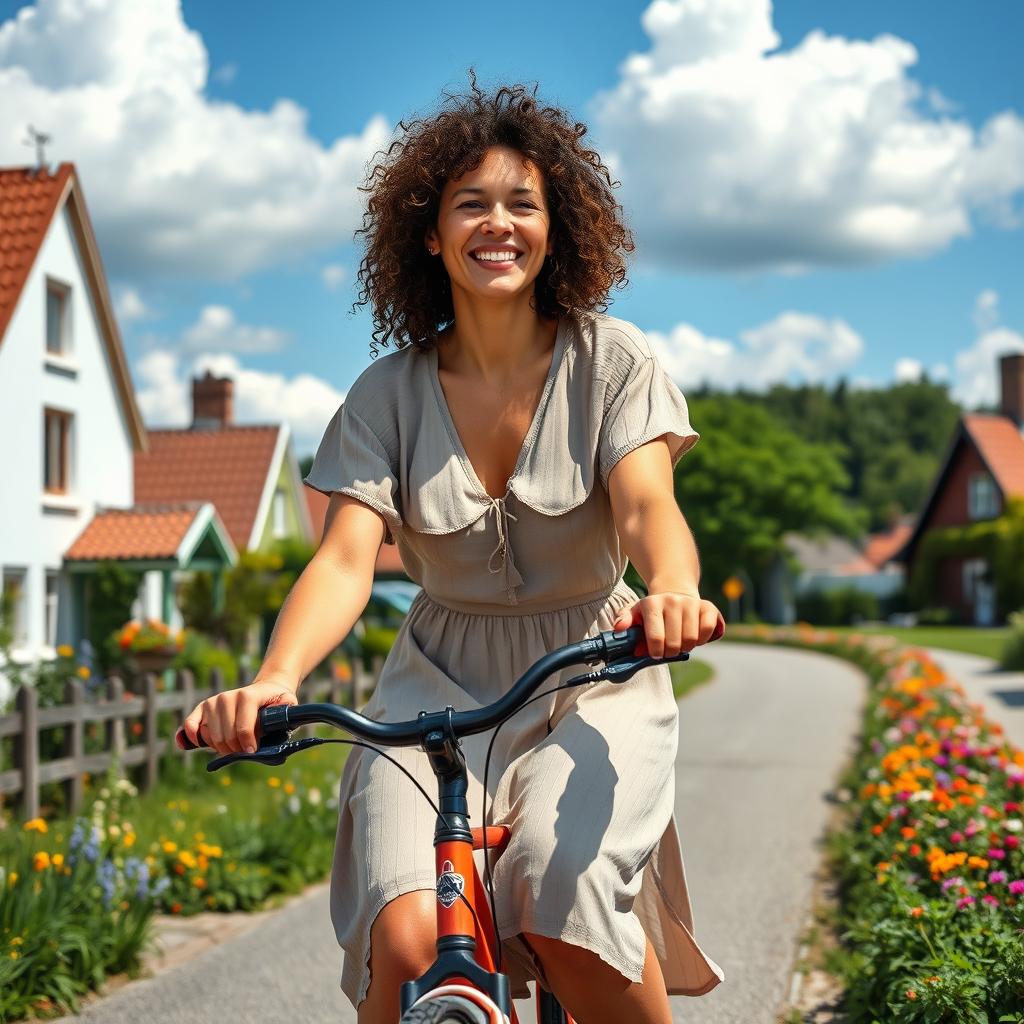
x=584 y=777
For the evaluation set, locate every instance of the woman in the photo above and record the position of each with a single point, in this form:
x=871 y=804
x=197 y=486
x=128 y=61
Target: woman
x=518 y=447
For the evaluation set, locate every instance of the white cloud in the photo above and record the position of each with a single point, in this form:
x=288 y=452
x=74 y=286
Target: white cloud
x=986 y=310
x=305 y=402
x=735 y=154
x=217 y=328
x=176 y=182
x=333 y=275
x=976 y=380
x=907 y=371
x=793 y=348
x=225 y=74
x=130 y=307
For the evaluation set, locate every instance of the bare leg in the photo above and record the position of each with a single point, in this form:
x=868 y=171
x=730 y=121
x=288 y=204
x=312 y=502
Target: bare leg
x=594 y=992
x=403 y=942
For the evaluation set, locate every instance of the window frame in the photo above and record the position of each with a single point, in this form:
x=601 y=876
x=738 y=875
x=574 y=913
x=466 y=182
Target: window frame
x=18 y=640
x=982 y=496
x=62 y=291
x=64 y=421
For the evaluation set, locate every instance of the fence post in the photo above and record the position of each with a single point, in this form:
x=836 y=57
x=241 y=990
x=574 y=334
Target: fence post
x=216 y=681
x=115 y=726
x=149 y=731
x=26 y=750
x=74 y=694
x=186 y=683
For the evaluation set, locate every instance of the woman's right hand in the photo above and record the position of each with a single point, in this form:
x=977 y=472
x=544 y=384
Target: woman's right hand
x=228 y=719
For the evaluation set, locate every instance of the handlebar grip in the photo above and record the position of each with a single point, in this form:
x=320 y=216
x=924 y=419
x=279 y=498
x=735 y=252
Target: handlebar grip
x=184 y=743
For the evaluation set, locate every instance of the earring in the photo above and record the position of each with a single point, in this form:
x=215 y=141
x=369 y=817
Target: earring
x=433 y=252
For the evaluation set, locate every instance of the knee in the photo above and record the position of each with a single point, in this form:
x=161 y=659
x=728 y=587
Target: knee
x=403 y=939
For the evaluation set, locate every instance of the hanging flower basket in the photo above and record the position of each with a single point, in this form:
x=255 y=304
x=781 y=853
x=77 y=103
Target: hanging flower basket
x=150 y=645
x=156 y=660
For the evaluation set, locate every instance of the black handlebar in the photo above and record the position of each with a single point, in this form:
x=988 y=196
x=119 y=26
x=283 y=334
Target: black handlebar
x=614 y=647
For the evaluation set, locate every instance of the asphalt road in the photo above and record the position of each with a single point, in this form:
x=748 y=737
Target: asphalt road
x=760 y=749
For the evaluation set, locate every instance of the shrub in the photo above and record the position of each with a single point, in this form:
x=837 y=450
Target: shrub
x=839 y=606
x=1012 y=659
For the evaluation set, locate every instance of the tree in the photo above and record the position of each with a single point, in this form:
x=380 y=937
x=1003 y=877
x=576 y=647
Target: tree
x=749 y=481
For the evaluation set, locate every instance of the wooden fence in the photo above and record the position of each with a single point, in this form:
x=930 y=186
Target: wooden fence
x=117 y=706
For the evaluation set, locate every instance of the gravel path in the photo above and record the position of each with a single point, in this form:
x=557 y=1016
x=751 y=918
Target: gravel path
x=760 y=748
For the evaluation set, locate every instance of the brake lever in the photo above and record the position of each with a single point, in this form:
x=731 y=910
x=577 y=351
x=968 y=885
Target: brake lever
x=270 y=753
x=621 y=669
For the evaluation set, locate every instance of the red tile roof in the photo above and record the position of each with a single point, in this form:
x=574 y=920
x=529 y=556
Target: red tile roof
x=28 y=200
x=1000 y=444
x=389 y=559
x=882 y=547
x=145 y=531
x=227 y=467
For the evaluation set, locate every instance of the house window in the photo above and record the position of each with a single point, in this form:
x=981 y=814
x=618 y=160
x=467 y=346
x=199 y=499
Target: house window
x=280 y=525
x=50 y=608
x=14 y=581
x=982 y=498
x=58 y=318
x=56 y=451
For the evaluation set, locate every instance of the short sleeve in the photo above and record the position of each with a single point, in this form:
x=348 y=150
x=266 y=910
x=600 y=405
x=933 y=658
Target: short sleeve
x=648 y=405
x=352 y=460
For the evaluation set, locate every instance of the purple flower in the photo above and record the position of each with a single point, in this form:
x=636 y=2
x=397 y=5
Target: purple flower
x=942 y=760
x=995 y=877
x=950 y=882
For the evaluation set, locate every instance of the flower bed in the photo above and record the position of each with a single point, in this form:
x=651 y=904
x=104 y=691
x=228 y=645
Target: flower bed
x=929 y=861
x=77 y=898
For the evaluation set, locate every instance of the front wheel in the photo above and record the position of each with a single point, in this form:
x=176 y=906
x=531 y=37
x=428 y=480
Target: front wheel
x=446 y=1010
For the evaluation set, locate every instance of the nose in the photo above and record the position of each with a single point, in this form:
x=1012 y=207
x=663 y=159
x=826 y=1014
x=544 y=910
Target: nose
x=497 y=221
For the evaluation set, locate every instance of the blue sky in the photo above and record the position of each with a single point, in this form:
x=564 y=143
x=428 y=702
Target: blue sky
x=871 y=259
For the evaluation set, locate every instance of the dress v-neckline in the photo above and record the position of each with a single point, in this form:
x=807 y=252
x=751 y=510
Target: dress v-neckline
x=453 y=431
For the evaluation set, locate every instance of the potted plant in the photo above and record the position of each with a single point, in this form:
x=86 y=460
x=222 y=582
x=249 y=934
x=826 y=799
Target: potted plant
x=149 y=645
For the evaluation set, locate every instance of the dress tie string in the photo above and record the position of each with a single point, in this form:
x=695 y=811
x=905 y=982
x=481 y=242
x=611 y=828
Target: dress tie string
x=503 y=550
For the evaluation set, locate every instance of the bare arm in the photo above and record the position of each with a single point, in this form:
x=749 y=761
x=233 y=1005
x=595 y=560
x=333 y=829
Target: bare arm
x=660 y=544
x=330 y=594
x=320 y=610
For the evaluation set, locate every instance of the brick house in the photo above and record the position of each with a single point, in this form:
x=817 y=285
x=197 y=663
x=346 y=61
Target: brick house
x=982 y=468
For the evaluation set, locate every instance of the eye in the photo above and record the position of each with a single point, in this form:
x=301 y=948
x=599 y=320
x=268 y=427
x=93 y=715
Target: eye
x=470 y=202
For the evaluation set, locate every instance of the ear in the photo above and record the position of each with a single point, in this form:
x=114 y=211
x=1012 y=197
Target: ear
x=432 y=239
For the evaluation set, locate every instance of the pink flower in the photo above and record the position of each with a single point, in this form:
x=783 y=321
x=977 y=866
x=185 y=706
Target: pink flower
x=996 y=854
x=995 y=877
x=965 y=902
x=956 y=837
x=1017 y=886
x=990 y=900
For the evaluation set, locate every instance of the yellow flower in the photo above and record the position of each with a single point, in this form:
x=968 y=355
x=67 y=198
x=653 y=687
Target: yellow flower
x=129 y=839
x=226 y=780
x=82 y=672
x=14 y=955
x=17 y=940
x=57 y=860
x=65 y=650
x=199 y=883
x=169 y=847
x=40 y=861
x=187 y=859
x=199 y=837
x=274 y=781
x=36 y=825
x=12 y=878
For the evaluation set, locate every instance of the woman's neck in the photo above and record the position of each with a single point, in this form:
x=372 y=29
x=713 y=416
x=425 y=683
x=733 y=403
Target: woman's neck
x=494 y=340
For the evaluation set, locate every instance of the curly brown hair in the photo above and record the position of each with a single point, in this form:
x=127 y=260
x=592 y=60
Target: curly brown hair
x=408 y=291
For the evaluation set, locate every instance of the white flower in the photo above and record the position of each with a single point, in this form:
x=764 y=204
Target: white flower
x=1013 y=824
x=222 y=809
x=99 y=807
x=921 y=794
x=294 y=804
x=105 y=793
x=314 y=796
x=113 y=831
x=892 y=734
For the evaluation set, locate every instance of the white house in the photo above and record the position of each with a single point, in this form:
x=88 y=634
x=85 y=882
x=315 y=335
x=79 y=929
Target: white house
x=70 y=423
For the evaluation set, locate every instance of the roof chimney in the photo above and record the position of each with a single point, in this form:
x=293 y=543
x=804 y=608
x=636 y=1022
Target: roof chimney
x=212 y=405
x=1011 y=375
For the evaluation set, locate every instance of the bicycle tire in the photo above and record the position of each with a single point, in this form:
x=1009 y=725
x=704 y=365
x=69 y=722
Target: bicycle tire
x=447 y=1010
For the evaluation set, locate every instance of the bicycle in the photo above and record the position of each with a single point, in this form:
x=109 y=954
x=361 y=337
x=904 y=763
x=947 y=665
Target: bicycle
x=464 y=985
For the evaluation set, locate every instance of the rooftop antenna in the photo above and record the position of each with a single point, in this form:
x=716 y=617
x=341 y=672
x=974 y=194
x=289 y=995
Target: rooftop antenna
x=39 y=139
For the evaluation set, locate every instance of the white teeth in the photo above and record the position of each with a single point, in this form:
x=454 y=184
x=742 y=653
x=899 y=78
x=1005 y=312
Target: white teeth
x=495 y=257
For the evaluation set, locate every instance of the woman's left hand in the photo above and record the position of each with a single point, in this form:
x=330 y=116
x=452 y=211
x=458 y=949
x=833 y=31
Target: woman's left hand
x=672 y=622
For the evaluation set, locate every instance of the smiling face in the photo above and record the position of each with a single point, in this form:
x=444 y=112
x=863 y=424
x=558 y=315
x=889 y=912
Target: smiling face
x=493 y=227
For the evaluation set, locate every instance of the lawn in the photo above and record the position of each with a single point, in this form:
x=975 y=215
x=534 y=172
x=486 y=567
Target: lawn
x=968 y=639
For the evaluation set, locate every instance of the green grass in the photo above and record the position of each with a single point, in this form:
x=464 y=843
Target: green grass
x=688 y=675
x=968 y=639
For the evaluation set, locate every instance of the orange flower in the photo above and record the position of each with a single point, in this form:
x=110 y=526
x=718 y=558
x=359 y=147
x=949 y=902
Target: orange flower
x=916 y=911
